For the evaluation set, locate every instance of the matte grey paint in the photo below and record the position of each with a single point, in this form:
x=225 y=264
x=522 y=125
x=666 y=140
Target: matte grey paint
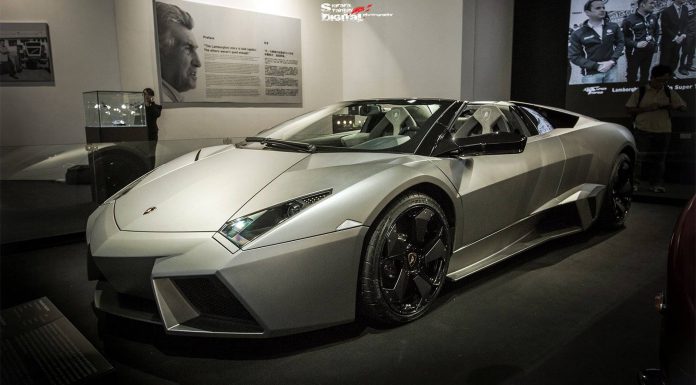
x=302 y=275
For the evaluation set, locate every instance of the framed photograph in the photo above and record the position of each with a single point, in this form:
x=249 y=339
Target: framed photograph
x=603 y=71
x=25 y=55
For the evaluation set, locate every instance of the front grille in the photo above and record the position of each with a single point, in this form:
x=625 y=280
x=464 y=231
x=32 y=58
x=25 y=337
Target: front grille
x=127 y=275
x=216 y=304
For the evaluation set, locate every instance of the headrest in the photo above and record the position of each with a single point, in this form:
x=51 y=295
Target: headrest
x=370 y=109
x=397 y=115
x=419 y=113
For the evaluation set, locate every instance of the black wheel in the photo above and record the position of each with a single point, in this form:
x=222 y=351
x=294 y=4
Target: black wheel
x=406 y=259
x=618 y=195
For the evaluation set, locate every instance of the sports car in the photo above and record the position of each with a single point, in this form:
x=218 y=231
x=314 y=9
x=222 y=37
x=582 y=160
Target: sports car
x=359 y=209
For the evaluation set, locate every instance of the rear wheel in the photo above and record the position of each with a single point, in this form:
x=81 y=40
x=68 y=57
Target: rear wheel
x=405 y=264
x=619 y=194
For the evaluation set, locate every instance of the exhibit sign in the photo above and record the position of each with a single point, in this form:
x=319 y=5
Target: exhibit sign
x=604 y=70
x=25 y=55
x=214 y=54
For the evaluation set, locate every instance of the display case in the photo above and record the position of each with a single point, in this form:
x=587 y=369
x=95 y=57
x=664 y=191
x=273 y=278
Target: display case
x=114 y=116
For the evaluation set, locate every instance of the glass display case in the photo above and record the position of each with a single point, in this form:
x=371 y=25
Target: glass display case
x=114 y=116
x=114 y=109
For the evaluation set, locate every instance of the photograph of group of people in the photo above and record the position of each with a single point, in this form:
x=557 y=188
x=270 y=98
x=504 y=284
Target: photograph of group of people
x=618 y=41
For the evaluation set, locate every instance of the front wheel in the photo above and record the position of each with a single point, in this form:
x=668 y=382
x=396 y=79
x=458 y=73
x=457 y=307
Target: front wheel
x=405 y=262
x=618 y=195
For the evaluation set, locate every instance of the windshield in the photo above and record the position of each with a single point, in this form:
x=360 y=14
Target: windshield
x=393 y=125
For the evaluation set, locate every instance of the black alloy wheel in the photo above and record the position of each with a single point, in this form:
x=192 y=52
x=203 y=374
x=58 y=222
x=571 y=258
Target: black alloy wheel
x=619 y=193
x=406 y=261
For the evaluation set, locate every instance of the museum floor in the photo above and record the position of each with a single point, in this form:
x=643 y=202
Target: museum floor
x=575 y=311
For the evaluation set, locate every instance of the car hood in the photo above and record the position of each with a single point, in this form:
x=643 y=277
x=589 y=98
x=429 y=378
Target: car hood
x=200 y=191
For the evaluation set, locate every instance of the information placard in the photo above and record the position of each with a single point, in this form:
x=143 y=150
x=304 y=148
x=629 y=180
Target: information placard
x=216 y=54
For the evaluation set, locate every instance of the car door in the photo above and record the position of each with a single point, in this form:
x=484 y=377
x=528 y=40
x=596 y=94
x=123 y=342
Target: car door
x=496 y=191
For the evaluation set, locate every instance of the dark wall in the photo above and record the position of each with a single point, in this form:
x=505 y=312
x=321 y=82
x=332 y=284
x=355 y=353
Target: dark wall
x=539 y=75
x=539 y=59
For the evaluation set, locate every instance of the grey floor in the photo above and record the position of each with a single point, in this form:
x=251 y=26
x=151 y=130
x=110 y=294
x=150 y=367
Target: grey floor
x=574 y=311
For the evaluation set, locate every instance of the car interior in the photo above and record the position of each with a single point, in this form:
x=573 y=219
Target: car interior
x=480 y=120
x=376 y=126
x=386 y=126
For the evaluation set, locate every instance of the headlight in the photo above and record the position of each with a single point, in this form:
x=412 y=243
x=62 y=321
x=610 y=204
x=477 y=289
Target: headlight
x=244 y=229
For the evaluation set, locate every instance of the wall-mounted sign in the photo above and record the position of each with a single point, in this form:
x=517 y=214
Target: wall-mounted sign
x=25 y=55
x=216 y=54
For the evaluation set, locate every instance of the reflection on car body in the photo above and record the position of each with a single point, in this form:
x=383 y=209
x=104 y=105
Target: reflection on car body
x=361 y=208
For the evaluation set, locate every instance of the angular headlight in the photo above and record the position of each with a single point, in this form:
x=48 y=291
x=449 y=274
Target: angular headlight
x=244 y=229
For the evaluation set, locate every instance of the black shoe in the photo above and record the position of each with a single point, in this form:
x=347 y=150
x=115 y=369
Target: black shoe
x=14 y=76
x=684 y=72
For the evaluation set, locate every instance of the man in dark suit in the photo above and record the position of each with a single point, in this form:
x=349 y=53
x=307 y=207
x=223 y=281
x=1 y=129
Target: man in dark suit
x=674 y=21
x=686 y=62
x=640 y=31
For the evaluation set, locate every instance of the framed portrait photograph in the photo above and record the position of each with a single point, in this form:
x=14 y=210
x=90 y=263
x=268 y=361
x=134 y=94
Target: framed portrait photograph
x=213 y=54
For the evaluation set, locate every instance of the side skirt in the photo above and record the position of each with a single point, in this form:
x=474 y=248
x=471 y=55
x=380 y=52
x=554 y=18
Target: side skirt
x=575 y=213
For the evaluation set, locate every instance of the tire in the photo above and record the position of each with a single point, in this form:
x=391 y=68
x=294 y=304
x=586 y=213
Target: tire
x=618 y=194
x=405 y=262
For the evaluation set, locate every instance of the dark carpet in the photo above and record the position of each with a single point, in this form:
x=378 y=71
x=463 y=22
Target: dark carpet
x=577 y=310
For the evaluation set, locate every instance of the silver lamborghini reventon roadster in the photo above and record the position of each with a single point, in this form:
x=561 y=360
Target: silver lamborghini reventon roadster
x=359 y=209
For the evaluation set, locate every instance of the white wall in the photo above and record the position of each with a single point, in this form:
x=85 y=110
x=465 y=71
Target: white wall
x=488 y=49
x=85 y=58
x=136 y=44
x=444 y=48
x=415 y=52
x=321 y=69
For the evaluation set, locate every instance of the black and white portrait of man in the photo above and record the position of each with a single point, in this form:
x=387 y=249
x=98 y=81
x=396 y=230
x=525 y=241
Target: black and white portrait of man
x=179 y=61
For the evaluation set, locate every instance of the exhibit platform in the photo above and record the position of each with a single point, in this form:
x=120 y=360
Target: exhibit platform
x=577 y=310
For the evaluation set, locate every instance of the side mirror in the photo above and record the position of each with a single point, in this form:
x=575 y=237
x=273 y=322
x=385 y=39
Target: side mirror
x=486 y=144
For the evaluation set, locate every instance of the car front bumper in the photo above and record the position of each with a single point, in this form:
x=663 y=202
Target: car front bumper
x=197 y=283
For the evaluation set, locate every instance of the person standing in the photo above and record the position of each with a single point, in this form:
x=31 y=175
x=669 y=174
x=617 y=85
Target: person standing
x=152 y=112
x=6 y=64
x=640 y=31
x=686 y=62
x=596 y=46
x=179 y=61
x=652 y=105
x=674 y=23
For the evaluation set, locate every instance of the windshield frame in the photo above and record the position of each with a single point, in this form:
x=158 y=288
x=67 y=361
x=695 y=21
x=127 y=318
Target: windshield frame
x=286 y=130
